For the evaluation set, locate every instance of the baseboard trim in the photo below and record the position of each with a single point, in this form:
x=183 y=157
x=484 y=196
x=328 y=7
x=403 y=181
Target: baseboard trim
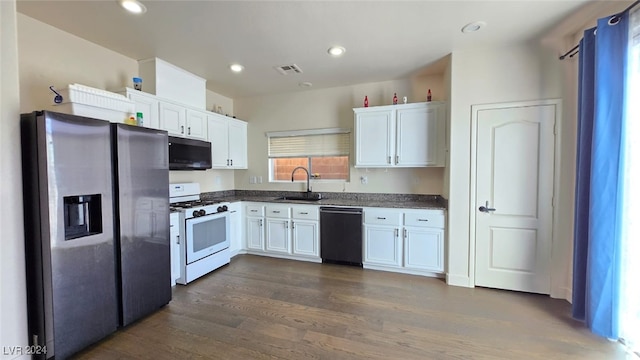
x=459 y=280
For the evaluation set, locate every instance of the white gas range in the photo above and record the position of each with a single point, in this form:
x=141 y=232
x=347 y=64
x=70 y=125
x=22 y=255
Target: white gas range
x=204 y=226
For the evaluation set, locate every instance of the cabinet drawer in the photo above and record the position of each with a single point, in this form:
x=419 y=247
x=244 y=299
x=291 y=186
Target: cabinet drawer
x=305 y=212
x=255 y=210
x=434 y=219
x=382 y=217
x=277 y=211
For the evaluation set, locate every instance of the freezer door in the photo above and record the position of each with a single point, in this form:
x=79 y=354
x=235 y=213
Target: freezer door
x=69 y=231
x=142 y=179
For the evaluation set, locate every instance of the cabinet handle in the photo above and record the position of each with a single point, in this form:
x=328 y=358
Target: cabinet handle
x=286 y=225
x=170 y=226
x=293 y=225
x=182 y=129
x=423 y=219
x=231 y=162
x=395 y=231
x=397 y=157
x=276 y=211
x=254 y=210
x=189 y=130
x=227 y=162
x=178 y=239
x=382 y=218
x=388 y=159
x=303 y=213
x=405 y=233
x=260 y=222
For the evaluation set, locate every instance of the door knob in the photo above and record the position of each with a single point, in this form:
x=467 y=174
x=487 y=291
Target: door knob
x=485 y=208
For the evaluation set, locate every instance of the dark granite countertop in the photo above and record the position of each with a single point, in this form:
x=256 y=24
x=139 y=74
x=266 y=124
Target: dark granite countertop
x=409 y=201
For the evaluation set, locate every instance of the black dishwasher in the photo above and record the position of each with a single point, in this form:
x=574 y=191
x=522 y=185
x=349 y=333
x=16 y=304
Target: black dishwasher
x=341 y=235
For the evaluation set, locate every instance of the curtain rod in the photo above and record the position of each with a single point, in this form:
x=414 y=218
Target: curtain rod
x=575 y=50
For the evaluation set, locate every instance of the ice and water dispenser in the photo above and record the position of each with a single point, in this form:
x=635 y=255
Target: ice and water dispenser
x=82 y=216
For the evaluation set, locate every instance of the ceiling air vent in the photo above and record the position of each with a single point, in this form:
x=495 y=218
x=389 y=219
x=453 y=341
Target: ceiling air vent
x=289 y=69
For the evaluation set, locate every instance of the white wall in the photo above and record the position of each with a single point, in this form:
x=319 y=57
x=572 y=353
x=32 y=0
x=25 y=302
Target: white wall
x=482 y=77
x=333 y=108
x=49 y=56
x=13 y=312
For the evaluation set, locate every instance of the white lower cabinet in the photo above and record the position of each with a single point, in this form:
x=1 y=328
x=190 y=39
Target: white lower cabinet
x=235 y=231
x=278 y=235
x=283 y=230
x=400 y=240
x=382 y=246
x=305 y=237
x=423 y=249
x=174 y=235
x=254 y=228
x=410 y=241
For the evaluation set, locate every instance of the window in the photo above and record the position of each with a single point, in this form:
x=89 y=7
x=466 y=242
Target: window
x=324 y=152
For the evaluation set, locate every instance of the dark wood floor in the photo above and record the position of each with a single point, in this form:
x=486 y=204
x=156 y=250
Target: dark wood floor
x=265 y=308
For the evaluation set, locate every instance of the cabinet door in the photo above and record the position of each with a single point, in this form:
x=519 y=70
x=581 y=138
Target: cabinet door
x=218 y=136
x=148 y=106
x=175 y=247
x=277 y=235
x=238 y=144
x=419 y=140
x=172 y=118
x=424 y=249
x=382 y=246
x=305 y=237
x=374 y=138
x=196 y=124
x=255 y=233
x=235 y=228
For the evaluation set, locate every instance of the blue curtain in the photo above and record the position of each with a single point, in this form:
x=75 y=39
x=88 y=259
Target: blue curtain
x=599 y=175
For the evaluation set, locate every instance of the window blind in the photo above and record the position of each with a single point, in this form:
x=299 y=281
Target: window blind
x=336 y=144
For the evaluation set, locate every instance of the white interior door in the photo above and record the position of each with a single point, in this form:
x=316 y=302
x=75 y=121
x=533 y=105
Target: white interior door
x=514 y=193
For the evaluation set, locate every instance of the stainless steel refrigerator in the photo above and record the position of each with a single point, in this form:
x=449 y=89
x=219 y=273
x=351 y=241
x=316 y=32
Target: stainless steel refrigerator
x=96 y=203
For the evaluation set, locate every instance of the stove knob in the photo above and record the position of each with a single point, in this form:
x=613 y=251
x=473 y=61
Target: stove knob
x=224 y=208
x=196 y=213
x=202 y=212
x=219 y=209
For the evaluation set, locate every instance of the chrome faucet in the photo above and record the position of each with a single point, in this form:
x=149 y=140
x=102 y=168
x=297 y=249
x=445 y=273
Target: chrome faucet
x=308 y=176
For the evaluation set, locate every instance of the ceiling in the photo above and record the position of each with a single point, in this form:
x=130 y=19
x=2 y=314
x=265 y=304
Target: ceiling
x=384 y=40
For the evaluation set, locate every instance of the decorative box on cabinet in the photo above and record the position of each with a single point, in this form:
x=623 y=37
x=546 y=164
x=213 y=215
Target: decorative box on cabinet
x=407 y=135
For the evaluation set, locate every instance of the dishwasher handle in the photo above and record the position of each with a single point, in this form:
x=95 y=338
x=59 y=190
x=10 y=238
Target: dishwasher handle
x=349 y=211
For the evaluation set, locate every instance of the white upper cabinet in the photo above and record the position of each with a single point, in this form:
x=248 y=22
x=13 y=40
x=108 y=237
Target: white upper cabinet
x=228 y=139
x=180 y=121
x=172 y=118
x=196 y=124
x=147 y=104
x=238 y=144
x=407 y=135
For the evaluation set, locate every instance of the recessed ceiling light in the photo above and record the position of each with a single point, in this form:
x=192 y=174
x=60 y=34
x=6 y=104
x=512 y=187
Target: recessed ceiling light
x=474 y=26
x=305 y=84
x=133 y=6
x=336 y=50
x=236 y=68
